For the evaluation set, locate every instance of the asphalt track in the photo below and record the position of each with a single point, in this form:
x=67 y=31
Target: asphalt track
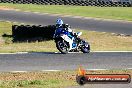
x=56 y=61
x=75 y=22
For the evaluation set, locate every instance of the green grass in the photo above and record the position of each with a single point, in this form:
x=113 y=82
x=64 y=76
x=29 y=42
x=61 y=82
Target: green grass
x=120 y=13
x=52 y=83
x=99 y=41
x=5 y=27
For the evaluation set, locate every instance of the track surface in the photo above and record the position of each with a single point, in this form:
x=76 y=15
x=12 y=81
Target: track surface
x=52 y=61
x=87 y=24
x=56 y=61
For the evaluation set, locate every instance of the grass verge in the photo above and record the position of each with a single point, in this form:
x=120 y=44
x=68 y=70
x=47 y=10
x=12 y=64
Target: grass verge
x=36 y=80
x=99 y=41
x=120 y=13
x=59 y=79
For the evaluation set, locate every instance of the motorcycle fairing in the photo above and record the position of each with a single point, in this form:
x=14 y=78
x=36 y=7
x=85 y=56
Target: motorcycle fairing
x=66 y=38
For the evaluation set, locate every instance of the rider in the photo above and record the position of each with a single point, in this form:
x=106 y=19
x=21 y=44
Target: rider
x=60 y=25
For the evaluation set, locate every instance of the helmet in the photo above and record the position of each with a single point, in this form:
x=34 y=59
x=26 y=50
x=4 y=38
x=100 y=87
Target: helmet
x=59 y=22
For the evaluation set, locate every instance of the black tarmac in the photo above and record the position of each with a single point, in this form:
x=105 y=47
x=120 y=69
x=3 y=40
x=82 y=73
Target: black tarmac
x=57 y=61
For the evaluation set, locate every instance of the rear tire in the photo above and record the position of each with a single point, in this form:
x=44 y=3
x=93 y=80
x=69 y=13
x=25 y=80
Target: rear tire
x=85 y=47
x=62 y=46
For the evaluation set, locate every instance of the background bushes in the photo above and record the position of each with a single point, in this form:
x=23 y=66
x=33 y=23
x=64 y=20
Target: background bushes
x=109 y=3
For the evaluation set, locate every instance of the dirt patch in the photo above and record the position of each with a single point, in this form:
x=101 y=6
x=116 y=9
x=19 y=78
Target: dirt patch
x=1 y=41
x=37 y=76
x=6 y=8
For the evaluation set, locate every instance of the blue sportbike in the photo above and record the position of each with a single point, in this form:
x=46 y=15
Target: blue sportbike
x=63 y=38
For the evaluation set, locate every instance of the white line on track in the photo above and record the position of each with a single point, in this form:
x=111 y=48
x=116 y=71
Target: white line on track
x=51 y=70
x=16 y=53
x=110 y=69
x=129 y=68
x=34 y=71
x=62 y=70
x=97 y=69
x=111 y=51
x=77 y=52
x=18 y=71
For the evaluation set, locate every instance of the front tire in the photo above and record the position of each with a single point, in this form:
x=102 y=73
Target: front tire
x=85 y=47
x=62 y=46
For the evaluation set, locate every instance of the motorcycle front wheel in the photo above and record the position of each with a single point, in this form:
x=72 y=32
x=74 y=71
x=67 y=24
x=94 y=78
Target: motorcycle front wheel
x=62 y=46
x=85 y=48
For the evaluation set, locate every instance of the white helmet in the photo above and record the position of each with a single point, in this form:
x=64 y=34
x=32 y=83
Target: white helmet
x=59 y=22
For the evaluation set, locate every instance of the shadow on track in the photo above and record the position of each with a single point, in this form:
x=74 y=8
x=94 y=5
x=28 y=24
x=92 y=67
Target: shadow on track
x=45 y=53
x=59 y=53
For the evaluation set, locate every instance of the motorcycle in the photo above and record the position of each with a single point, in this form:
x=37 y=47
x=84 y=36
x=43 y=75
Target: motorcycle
x=62 y=38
